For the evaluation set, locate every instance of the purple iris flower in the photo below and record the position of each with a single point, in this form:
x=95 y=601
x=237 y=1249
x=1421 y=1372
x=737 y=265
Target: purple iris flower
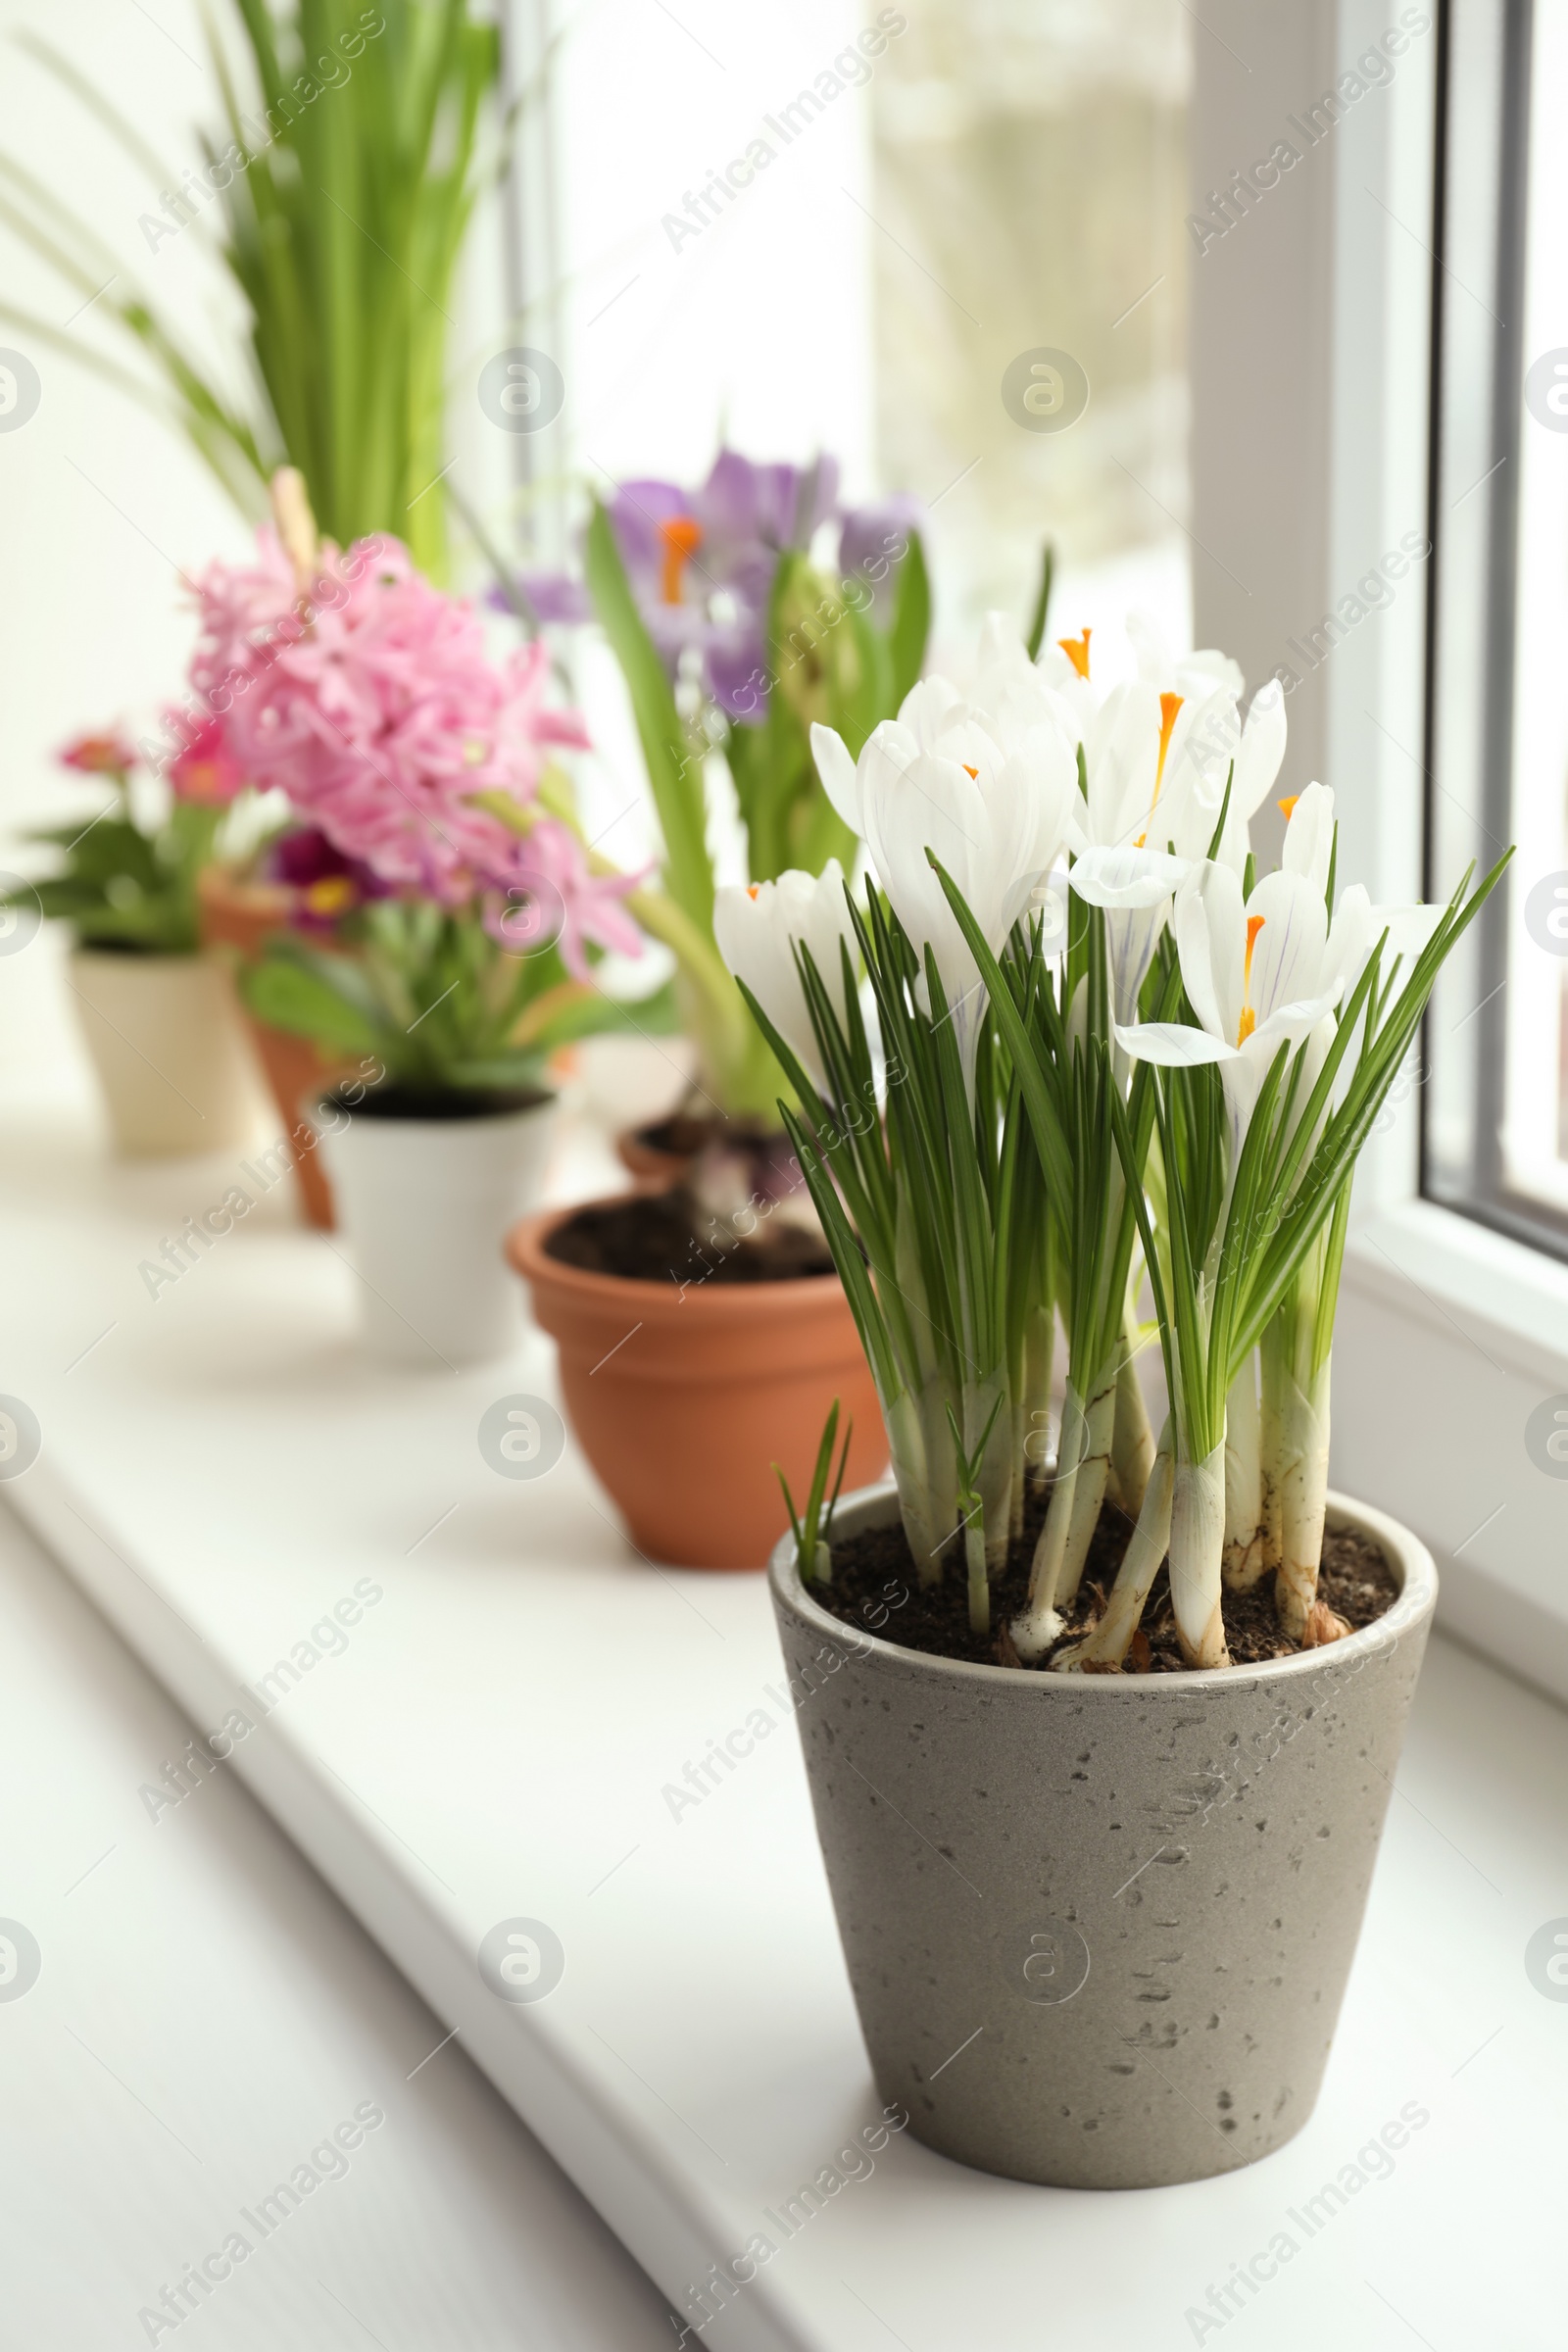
x=701 y=564
x=874 y=541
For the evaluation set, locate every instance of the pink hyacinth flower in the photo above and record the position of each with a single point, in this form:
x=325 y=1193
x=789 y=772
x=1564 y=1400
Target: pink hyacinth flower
x=373 y=702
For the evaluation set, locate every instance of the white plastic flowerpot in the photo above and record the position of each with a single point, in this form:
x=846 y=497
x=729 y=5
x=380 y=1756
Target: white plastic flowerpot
x=169 y=1054
x=425 y=1205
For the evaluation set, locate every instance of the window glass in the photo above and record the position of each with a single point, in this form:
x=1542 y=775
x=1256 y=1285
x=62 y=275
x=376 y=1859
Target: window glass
x=1496 y=1049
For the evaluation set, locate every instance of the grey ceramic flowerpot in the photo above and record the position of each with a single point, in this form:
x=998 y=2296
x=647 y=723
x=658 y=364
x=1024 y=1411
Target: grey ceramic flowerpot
x=1099 y=1927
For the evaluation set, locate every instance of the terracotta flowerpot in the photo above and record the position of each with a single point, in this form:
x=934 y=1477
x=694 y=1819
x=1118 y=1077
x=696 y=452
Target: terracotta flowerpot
x=651 y=1161
x=169 y=1052
x=243 y=916
x=683 y=1402
x=1099 y=1927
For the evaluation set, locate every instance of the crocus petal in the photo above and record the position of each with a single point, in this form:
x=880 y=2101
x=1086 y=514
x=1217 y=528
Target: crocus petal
x=1410 y=929
x=1290 y=1022
x=837 y=770
x=1262 y=748
x=1289 y=953
x=1127 y=877
x=926 y=708
x=758 y=929
x=1151 y=648
x=1209 y=925
x=1173 y=1045
x=1309 y=836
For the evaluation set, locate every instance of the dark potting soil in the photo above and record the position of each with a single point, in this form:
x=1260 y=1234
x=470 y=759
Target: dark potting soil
x=439 y=1102
x=134 y=950
x=872 y=1568
x=663 y=1237
x=681 y=1136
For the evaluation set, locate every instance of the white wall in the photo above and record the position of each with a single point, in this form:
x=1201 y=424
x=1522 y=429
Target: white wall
x=760 y=325
x=100 y=505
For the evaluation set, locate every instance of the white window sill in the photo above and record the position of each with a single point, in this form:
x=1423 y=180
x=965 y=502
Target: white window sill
x=493 y=1742
x=1449 y=1337
x=1466 y=1280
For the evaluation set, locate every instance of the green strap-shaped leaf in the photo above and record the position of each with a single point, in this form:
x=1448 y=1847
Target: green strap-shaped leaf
x=673 y=771
x=1037 y=623
x=912 y=621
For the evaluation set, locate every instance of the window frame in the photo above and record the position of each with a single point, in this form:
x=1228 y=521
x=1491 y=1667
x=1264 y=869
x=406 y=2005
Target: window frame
x=1473 y=608
x=1451 y=1331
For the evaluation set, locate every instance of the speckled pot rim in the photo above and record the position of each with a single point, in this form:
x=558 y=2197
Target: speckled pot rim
x=1406 y=1554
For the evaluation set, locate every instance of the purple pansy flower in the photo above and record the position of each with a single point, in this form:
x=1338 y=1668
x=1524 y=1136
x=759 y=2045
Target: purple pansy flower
x=327 y=884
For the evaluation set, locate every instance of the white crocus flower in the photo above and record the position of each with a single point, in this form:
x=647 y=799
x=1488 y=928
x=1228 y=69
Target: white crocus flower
x=990 y=787
x=1258 y=974
x=1158 y=761
x=1158 y=755
x=1162 y=747
x=1064 y=668
x=1134 y=888
x=1405 y=932
x=1271 y=972
x=1309 y=836
x=756 y=929
x=1016 y=693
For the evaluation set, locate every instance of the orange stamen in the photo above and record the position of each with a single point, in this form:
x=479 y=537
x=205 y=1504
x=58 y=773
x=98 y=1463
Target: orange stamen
x=1287 y=808
x=1169 y=705
x=752 y=889
x=970 y=771
x=1076 y=650
x=682 y=535
x=1248 y=1020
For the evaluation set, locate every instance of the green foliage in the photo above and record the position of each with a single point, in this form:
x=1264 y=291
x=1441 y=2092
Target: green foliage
x=433 y=997
x=912 y=621
x=828 y=660
x=673 y=755
x=345 y=169
x=1035 y=636
x=813 y=1528
x=119 y=885
x=738 y=1071
x=935 y=1213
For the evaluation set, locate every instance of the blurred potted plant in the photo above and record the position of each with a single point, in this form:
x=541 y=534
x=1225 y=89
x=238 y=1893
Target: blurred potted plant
x=733 y=640
x=470 y=907
x=154 y=1007
x=298 y=882
x=341 y=180
x=710 y=1305
x=1112 y=1052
